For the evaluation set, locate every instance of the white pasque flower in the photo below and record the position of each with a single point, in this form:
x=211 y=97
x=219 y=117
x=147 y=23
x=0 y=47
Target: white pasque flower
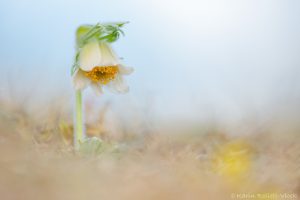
x=99 y=66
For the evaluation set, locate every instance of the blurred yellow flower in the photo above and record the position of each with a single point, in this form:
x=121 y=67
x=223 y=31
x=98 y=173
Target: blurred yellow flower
x=233 y=160
x=99 y=66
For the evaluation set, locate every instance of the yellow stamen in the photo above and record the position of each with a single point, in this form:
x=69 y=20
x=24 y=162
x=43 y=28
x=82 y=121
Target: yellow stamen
x=103 y=74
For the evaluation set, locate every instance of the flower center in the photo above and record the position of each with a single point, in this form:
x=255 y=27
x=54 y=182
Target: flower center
x=103 y=74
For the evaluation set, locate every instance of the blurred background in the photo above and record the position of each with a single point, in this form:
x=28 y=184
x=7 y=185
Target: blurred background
x=194 y=60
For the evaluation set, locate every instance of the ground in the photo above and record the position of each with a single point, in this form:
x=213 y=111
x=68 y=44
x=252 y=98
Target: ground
x=37 y=161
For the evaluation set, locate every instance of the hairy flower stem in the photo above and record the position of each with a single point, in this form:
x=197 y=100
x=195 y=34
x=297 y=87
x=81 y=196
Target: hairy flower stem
x=78 y=130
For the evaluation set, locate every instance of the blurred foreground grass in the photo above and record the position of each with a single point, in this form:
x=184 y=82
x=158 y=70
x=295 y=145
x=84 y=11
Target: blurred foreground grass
x=37 y=161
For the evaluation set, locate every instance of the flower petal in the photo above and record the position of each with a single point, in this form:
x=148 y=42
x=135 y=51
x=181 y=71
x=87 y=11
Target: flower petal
x=90 y=56
x=118 y=85
x=125 y=70
x=109 y=57
x=80 y=81
x=97 y=88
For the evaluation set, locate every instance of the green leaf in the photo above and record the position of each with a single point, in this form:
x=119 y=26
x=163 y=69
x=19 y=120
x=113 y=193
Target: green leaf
x=108 y=32
x=95 y=146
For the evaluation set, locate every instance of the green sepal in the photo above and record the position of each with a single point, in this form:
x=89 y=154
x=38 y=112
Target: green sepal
x=75 y=65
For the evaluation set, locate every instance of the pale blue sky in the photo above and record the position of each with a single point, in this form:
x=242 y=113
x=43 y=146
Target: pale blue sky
x=190 y=56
